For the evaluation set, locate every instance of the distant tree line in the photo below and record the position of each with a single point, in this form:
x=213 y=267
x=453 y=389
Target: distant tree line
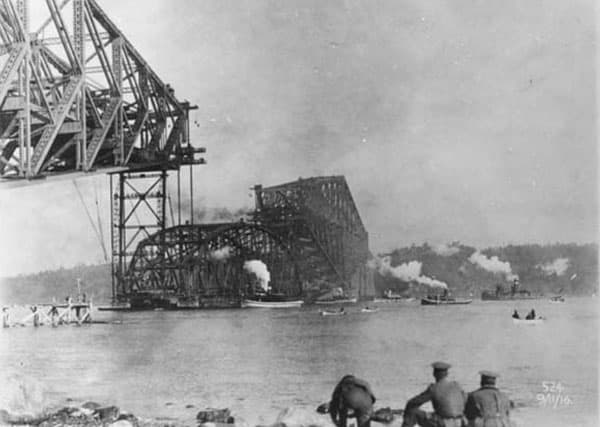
x=463 y=277
x=45 y=286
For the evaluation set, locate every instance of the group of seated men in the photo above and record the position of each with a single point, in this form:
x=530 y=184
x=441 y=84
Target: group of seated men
x=452 y=407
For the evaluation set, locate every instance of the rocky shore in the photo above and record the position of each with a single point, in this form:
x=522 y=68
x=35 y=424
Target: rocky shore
x=92 y=414
x=88 y=414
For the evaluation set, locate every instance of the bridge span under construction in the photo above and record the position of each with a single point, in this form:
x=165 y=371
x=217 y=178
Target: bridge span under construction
x=308 y=234
x=77 y=97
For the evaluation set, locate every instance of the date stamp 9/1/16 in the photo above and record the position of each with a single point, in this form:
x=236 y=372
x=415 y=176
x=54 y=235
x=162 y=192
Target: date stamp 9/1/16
x=553 y=395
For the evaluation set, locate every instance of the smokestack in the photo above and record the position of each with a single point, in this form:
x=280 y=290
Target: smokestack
x=258 y=197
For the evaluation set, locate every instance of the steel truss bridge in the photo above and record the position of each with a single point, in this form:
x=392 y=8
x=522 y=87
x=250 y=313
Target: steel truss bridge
x=308 y=233
x=76 y=97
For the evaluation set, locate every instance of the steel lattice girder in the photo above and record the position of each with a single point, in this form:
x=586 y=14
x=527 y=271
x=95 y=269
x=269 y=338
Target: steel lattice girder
x=208 y=259
x=321 y=220
x=305 y=231
x=80 y=100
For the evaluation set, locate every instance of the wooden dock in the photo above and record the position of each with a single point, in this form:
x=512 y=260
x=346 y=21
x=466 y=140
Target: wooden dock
x=51 y=314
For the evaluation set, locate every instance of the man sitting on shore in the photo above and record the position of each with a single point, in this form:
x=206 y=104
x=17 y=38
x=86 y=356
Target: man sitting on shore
x=448 y=400
x=488 y=406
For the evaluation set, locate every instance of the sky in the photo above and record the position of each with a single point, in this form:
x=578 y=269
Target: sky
x=467 y=120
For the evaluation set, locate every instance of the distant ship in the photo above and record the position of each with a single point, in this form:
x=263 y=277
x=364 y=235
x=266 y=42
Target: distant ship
x=389 y=296
x=336 y=296
x=501 y=295
x=337 y=300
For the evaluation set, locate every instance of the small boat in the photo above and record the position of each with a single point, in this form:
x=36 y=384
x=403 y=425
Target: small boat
x=369 y=310
x=537 y=321
x=333 y=313
x=344 y=300
x=394 y=300
x=253 y=303
x=432 y=300
x=557 y=299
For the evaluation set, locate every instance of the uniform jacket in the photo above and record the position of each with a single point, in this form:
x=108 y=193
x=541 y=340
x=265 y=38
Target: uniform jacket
x=488 y=407
x=447 y=397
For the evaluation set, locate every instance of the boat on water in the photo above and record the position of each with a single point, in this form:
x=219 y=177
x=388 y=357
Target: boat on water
x=492 y=296
x=271 y=300
x=344 y=300
x=441 y=300
x=501 y=294
x=557 y=299
x=394 y=300
x=335 y=296
x=333 y=313
x=389 y=296
x=537 y=321
x=369 y=310
x=252 y=303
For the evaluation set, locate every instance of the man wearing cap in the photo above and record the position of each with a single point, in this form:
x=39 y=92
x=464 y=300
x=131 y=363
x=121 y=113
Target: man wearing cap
x=488 y=406
x=448 y=400
x=354 y=394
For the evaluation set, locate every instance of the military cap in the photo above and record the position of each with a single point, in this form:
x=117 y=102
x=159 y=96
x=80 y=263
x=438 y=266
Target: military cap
x=440 y=366
x=489 y=374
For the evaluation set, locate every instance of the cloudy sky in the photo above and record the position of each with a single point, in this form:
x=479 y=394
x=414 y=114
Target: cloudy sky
x=467 y=120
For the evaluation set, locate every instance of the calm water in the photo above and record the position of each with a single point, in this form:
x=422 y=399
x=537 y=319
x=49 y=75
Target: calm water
x=257 y=361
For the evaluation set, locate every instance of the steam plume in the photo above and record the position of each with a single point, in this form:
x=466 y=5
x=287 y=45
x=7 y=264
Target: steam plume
x=221 y=254
x=407 y=272
x=493 y=265
x=259 y=269
x=557 y=267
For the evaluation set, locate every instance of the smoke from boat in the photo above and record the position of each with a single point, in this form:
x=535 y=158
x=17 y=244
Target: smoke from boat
x=493 y=265
x=407 y=272
x=221 y=254
x=259 y=269
x=558 y=267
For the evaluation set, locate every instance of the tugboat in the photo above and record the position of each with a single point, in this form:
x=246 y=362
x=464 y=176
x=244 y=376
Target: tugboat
x=265 y=296
x=441 y=300
x=444 y=299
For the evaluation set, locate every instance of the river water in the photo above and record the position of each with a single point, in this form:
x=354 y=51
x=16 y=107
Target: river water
x=260 y=361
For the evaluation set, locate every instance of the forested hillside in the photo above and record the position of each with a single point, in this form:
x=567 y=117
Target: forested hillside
x=559 y=268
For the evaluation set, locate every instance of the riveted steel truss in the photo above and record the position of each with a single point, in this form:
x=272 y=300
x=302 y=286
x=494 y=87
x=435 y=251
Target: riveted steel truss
x=319 y=218
x=308 y=233
x=207 y=261
x=75 y=94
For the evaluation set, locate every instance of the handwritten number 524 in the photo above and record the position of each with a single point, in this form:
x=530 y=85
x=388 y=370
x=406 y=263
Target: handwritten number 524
x=552 y=387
